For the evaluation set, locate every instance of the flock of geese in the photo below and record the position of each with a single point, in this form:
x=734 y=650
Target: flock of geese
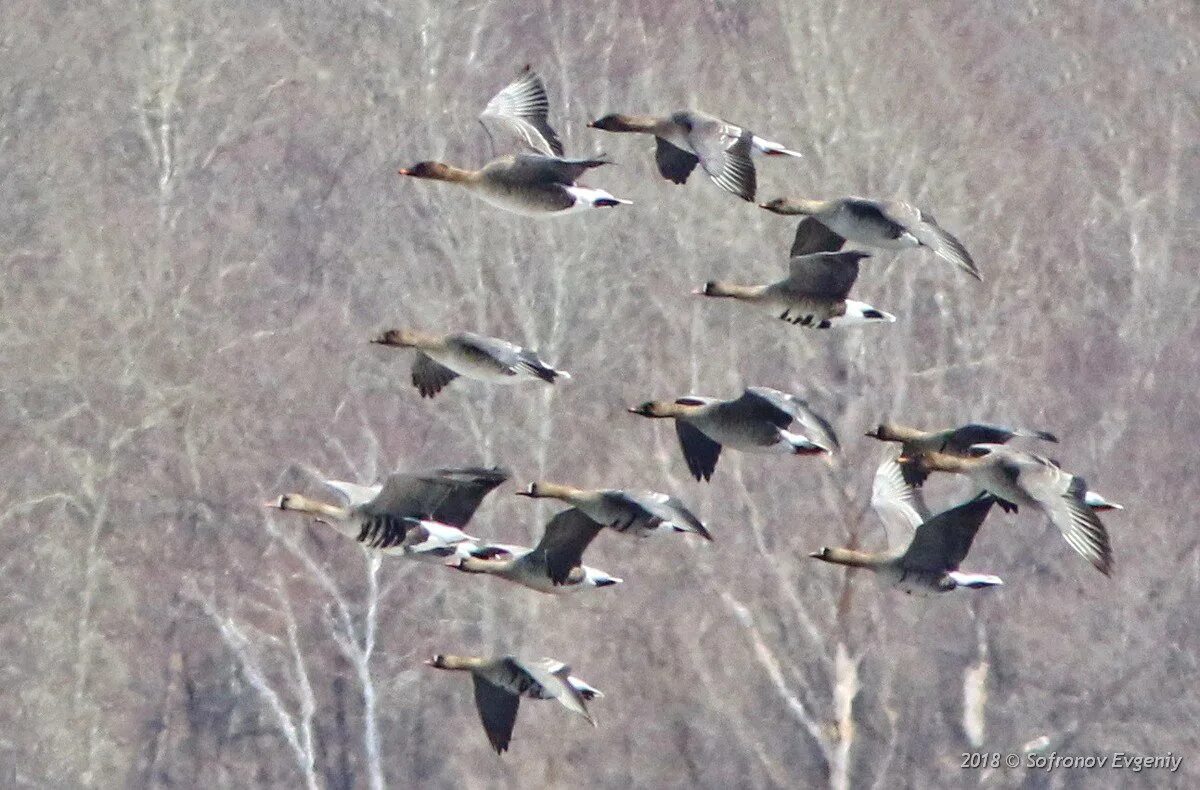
x=422 y=515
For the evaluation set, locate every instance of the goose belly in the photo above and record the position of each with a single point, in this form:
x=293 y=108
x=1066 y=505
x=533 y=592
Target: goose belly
x=874 y=231
x=532 y=202
x=748 y=437
x=915 y=582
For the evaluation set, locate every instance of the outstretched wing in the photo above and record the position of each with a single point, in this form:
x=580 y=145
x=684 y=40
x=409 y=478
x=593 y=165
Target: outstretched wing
x=899 y=505
x=824 y=275
x=497 y=710
x=448 y=496
x=812 y=236
x=924 y=228
x=521 y=108
x=566 y=537
x=675 y=164
x=781 y=408
x=700 y=452
x=942 y=542
x=724 y=153
x=428 y=376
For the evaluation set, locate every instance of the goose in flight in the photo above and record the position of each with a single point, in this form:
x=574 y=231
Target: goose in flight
x=642 y=513
x=814 y=294
x=441 y=358
x=418 y=515
x=756 y=422
x=953 y=441
x=688 y=138
x=537 y=181
x=1018 y=478
x=886 y=224
x=554 y=565
x=501 y=682
x=923 y=553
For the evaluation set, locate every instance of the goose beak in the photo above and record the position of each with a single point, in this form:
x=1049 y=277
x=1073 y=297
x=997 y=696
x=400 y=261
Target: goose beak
x=276 y=503
x=591 y=124
x=428 y=662
x=526 y=492
x=903 y=459
x=404 y=171
x=697 y=292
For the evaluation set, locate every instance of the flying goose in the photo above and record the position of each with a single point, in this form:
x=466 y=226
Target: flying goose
x=419 y=515
x=642 y=513
x=927 y=561
x=554 y=565
x=538 y=181
x=888 y=224
x=687 y=138
x=501 y=682
x=755 y=422
x=954 y=441
x=1019 y=478
x=813 y=294
x=530 y=184
x=442 y=358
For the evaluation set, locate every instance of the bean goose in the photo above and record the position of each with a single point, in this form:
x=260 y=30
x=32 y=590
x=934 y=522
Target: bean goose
x=642 y=513
x=530 y=184
x=688 y=138
x=924 y=553
x=1018 y=478
x=537 y=181
x=813 y=294
x=554 y=565
x=415 y=515
x=888 y=224
x=501 y=682
x=954 y=441
x=443 y=358
x=756 y=422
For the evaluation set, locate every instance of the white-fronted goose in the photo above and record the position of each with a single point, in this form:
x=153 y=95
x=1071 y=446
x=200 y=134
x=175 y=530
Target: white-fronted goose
x=642 y=513
x=414 y=515
x=554 y=565
x=687 y=138
x=501 y=682
x=953 y=441
x=887 y=224
x=756 y=422
x=442 y=358
x=522 y=109
x=530 y=184
x=1020 y=478
x=927 y=560
x=813 y=294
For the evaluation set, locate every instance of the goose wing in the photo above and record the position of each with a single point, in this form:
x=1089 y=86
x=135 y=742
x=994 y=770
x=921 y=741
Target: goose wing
x=353 y=494
x=508 y=355
x=555 y=679
x=813 y=236
x=429 y=377
x=700 y=452
x=824 y=275
x=724 y=152
x=674 y=163
x=667 y=508
x=448 y=496
x=566 y=537
x=497 y=710
x=899 y=505
x=925 y=229
x=942 y=542
x=525 y=170
x=522 y=108
x=1062 y=495
x=780 y=409
x=959 y=440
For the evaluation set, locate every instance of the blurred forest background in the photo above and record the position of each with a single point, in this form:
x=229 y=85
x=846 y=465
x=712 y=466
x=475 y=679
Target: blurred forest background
x=201 y=226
